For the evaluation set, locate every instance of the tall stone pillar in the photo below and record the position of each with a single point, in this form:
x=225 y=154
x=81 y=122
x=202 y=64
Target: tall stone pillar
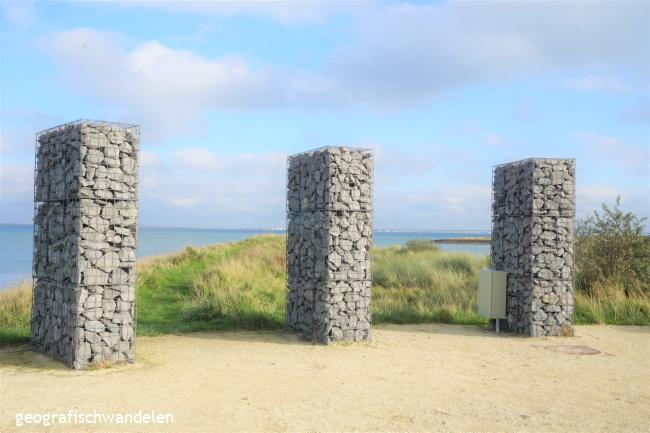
x=329 y=236
x=85 y=219
x=533 y=211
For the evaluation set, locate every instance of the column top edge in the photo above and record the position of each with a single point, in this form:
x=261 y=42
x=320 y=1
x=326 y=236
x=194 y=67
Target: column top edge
x=532 y=159
x=77 y=122
x=321 y=149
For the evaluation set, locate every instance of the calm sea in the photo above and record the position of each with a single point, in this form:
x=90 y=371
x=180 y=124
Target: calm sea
x=16 y=244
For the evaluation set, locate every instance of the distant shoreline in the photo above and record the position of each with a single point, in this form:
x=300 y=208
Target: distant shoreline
x=480 y=241
x=279 y=229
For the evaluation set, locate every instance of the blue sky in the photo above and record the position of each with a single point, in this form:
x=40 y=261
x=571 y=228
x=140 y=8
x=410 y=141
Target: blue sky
x=442 y=91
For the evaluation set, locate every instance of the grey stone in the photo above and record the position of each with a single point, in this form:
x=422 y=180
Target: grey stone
x=94 y=156
x=94 y=277
x=108 y=261
x=94 y=326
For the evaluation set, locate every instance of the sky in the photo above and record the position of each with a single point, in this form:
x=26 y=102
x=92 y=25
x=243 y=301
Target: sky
x=441 y=91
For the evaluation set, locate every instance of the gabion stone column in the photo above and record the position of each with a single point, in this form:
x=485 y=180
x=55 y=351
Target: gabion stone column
x=533 y=210
x=329 y=236
x=85 y=217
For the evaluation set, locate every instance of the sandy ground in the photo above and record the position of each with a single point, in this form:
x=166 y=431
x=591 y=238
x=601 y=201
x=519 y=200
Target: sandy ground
x=410 y=378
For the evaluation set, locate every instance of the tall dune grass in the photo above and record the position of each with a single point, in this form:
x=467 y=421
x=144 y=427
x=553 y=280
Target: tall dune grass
x=15 y=313
x=246 y=287
x=425 y=285
x=227 y=286
x=607 y=302
x=242 y=286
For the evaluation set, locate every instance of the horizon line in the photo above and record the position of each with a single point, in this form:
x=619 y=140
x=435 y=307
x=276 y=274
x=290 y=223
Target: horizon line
x=272 y=229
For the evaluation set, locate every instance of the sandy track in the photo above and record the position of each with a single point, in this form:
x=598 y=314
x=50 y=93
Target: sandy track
x=410 y=378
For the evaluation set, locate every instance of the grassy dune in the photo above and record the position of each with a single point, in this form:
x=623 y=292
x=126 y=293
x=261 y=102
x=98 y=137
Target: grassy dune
x=226 y=286
x=242 y=286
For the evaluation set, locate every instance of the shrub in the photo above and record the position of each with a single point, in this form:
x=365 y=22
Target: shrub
x=612 y=251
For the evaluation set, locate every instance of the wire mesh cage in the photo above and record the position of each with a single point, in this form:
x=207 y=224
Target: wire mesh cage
x=85 y=236
x=329 y=236
x=533 y=209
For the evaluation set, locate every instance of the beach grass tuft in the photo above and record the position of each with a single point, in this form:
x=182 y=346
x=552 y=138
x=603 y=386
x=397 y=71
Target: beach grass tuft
x=15 y=313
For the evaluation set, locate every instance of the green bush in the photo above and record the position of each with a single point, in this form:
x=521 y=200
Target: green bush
x=612 y=250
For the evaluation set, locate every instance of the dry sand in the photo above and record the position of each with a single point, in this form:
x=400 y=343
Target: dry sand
x=410 y=378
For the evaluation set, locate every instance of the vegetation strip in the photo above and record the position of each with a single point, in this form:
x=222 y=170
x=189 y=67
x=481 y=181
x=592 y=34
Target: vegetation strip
x=478 y=240
x=242 y=285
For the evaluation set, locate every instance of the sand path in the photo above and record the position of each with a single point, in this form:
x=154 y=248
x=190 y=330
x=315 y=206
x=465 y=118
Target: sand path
x=410 y=378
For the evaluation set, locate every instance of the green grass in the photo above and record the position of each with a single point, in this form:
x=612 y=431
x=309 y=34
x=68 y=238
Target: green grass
x=425 y=285
x=227 y=286
x=614 y=310
x=15 y=311
x=242 y=286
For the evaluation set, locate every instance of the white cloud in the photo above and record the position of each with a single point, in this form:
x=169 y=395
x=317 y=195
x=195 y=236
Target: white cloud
x=599 y=84
x=248 y=190
x=149 y=159
x=395 y=55
x=466 y=198
x=7 y=145
x=169 y=87
x=404 y=54
x=17 y=130
x=16 y=192
x=16 y=181
x=183 y=201
x=496 y=139
x=196 y=159
x=394 y=164
x=415 y=164
x=629 y=157
x=590 y=197
x=440 y=206
x=20 y=14
x=288 y=12
x=229 y=190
